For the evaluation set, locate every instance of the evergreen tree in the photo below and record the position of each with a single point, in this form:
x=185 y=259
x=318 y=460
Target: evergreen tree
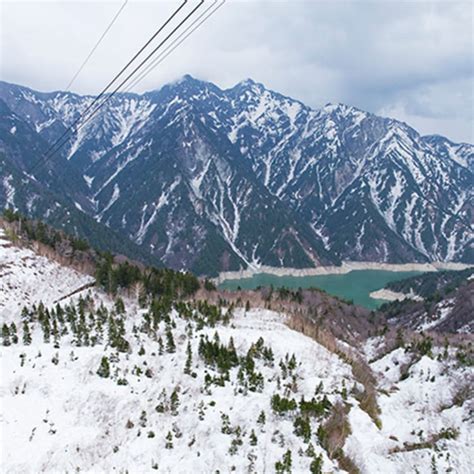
x=253 y=438
x=284 y=466
x=316 y=466
x=321 y=434
x=344 y=390
x=6 y=335
x=143 y=420
x=201 y=411
x=25 y=314
x=236 y=441
x=169 y=440
x=302 y=428
x=292 y=363
x=189 y=360
x=26 y=334
x=281 y=405
x=45 y=325
x=170 y=345
x=104 y=368
x=162 y=406
x=225 y=428
x=119 y=306
x=174 y=403
x=13 y=334
x=310 y=452
x=55 y=333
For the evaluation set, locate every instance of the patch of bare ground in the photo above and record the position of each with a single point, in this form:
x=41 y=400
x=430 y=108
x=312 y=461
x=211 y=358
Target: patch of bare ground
x=360 y=369
x=429 y=443
x=333 y=434
x=61 y=249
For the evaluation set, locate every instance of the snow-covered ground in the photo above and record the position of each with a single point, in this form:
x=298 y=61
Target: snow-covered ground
x=415 y=410
x=27 y=278
x=58 y=415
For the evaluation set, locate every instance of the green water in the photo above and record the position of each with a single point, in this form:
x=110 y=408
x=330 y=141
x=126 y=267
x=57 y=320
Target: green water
x=355 y=285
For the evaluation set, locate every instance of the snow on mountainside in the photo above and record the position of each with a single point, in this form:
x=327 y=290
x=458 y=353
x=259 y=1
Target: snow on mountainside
x=98 y=384
x=200 y=176
x=418 y=411
x=27 y=279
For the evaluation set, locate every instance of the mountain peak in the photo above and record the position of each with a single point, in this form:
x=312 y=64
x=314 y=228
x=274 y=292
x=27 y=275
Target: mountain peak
x=340 y=109
x=187 y=78
x=249 y=84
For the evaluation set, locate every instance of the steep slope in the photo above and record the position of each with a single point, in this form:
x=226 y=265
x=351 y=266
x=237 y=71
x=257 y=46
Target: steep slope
x=212 y=179
x=27 y=279
x=195 y=184
x=107 y=384
x=373 y=188
x=46 y=188
x=446 y=303
x=424 y=420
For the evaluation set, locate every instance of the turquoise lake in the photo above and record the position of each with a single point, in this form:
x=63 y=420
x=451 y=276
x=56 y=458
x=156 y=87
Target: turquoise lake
x=355 y=285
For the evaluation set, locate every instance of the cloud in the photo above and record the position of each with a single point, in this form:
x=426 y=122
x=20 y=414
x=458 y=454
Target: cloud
x=412 y=59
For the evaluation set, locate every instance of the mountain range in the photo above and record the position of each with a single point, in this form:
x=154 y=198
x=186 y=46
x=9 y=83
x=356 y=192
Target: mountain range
x=200 y=178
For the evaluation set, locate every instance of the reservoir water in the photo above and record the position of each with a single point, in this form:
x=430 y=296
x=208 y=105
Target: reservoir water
x=355 y=285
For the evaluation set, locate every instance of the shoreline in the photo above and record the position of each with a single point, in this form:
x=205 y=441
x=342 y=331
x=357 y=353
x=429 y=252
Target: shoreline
x=346 y=267
x=389 y=295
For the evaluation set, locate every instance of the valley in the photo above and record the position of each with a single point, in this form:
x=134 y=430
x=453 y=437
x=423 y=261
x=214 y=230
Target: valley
x=355 y=286
x=262 y=267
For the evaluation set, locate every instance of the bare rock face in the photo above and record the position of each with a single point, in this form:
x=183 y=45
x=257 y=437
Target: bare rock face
x=210 y=180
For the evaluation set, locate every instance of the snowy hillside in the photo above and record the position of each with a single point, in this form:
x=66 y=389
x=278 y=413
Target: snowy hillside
x=27 y=279
x=72 y=418
x=102 y=384
x=426 y=425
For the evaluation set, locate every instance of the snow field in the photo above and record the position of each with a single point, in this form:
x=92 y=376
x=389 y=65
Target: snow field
x=26 y=278
x=414 y=411
x=62 y=417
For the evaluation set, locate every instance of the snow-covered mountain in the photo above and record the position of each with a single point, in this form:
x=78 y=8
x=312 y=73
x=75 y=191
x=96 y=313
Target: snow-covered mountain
x=94 y=383
x=212 y=179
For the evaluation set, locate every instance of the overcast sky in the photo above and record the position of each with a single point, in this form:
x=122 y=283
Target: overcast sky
x=411 y=60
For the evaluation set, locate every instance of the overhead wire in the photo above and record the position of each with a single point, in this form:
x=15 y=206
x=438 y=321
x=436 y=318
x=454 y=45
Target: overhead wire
x=168 y=50
x=92 y=51
x=144 y=61
x=175 y=44
x=109 y=85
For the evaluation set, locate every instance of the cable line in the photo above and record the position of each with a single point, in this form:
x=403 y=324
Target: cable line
x=108 y=97
x=175 y=44
x=116 y=77
x=168 y=50
x=96 y=46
